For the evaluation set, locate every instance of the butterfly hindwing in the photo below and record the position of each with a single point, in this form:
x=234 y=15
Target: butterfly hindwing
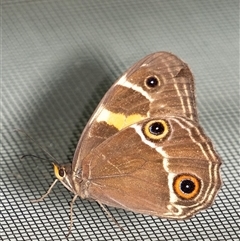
x=137 y=171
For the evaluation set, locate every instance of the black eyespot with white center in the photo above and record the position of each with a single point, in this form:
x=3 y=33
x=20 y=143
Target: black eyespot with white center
x=156 y=130
x=187 y=186
x=152 y=81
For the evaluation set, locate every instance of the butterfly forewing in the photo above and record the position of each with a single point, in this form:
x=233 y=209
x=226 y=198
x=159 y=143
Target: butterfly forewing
x=158 y=85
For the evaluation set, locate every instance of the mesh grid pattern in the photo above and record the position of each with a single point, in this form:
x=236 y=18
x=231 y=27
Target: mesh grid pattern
x=60 y=57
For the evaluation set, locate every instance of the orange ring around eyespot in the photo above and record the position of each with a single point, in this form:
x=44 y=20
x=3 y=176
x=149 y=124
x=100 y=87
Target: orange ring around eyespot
x=177 y=186
x=151 y=136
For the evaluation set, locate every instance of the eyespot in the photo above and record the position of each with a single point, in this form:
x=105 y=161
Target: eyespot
x=152 y=81
x=156 y=129
x=186 y=186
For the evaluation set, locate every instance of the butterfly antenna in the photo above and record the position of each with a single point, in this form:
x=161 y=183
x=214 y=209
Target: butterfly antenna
x=34 y=141
x=30 y=155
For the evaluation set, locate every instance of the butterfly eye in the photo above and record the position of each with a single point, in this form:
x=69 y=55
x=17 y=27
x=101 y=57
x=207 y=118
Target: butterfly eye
x=156 y=129
x=186 y=186
x=61 y=172
x=152 y=81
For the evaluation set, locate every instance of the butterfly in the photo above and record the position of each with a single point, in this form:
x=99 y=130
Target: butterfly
x=143 y=149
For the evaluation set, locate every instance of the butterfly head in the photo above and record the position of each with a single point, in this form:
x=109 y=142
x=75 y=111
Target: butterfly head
x=64 y=174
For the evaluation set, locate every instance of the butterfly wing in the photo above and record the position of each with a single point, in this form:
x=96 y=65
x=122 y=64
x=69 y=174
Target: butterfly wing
x=171 y=174
x=158 y=85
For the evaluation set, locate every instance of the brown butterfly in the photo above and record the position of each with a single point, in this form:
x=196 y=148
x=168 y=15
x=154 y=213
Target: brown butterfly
x=143 y=149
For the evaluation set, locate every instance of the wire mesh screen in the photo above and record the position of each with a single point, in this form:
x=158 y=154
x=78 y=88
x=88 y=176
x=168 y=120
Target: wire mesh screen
x=58 y=60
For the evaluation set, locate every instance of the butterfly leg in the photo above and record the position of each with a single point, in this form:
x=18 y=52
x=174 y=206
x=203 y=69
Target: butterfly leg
x=110 y=215
x=45 y=195
x=71 y=215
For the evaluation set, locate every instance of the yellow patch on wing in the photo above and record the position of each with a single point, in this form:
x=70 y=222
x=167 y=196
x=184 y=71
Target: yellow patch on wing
x=118 y=120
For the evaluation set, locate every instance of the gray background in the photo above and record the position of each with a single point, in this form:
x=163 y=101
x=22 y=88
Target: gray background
x=60 y=57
